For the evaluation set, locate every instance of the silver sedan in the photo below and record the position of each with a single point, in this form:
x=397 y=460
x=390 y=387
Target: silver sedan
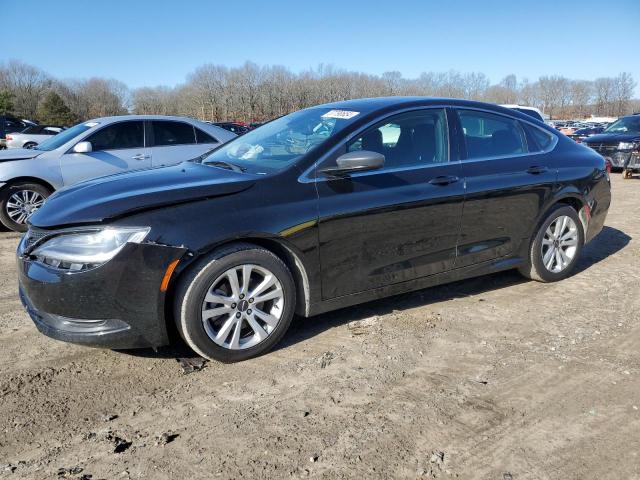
x=99 y=147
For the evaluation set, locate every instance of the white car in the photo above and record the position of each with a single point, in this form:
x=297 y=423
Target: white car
x=32 y=136
x=533 y=112
x=99 y=147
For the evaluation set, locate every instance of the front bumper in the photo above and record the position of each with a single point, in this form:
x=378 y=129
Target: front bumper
x=623 y=159
x=117 y=305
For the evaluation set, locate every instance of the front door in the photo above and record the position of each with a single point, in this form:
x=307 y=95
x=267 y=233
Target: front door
x=116 y=148
x=397 y=223
x=508 y=179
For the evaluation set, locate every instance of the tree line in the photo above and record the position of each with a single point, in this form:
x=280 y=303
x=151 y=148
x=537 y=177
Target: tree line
x=258 y=93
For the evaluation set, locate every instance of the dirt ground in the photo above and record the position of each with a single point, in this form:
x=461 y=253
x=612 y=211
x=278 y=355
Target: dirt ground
x=496 y=378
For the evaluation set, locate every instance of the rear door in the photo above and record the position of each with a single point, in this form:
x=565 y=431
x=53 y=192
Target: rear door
x=508 y=179
x=116 y=148
x=175 y=141
x=398 y=223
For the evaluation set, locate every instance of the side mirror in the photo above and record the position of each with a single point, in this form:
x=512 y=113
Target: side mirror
x=83 y=147
x=352 y=162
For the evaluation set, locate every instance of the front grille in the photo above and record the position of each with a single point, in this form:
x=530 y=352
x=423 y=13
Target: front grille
x=605 y=147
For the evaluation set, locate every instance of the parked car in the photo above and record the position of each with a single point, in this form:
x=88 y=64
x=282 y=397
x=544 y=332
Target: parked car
x=235 y=127
x=580 y=134
x=228 y=249
x=620 y=144
x=91 y=149
x=10 y=124
x=533 y=112
x=31 y=136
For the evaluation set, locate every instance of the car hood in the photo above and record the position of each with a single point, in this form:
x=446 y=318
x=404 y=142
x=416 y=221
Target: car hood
x=18 y=154
x=119 y=195
x=613 y=137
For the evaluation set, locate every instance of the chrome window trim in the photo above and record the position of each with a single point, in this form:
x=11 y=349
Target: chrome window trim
x=308 y=176
x=501 y=157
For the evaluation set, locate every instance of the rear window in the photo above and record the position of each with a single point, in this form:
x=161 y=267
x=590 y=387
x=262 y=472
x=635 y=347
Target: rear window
x=33 y=129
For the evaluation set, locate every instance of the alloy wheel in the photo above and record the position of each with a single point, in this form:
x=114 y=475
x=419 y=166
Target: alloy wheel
x=22 y=204
x=242 y=307
x=560 y=244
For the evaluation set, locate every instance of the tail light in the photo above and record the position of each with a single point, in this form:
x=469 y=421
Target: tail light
x=607 y=165
x=9 y=137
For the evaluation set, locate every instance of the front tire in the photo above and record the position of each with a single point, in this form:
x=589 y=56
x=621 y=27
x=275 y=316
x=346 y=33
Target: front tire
x=18 y=202
x=235 y=304
x=556 y=246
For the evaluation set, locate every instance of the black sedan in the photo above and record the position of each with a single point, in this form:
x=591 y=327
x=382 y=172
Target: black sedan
x=321 y=209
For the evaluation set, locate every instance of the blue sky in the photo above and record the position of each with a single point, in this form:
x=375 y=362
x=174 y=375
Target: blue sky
x=158 y=42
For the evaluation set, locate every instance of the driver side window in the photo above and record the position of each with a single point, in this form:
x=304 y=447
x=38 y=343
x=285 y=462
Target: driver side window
x=409 y=139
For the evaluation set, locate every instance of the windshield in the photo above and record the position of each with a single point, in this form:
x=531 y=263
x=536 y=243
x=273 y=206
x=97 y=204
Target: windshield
x=63 y=137
x=281 y=142
x=625 y=125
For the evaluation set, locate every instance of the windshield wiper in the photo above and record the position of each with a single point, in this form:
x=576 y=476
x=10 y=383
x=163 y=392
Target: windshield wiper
x=227 y=165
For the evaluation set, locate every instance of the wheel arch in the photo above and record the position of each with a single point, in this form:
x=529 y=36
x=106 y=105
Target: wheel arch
x=27 y=179
x=570 y=197
x=278 y=247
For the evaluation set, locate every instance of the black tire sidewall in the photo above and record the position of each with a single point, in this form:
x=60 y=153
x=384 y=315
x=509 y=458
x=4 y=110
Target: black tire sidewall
x=194 y=286
x=536 y=253
x=4 y=197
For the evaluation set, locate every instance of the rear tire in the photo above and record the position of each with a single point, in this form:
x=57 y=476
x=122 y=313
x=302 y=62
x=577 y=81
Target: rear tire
x=230 y=323
x=18 y=202
x=30 y=145
x=556 y=246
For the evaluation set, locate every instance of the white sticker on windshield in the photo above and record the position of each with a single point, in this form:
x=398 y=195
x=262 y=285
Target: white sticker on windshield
x=341 y=114
x=91 y=124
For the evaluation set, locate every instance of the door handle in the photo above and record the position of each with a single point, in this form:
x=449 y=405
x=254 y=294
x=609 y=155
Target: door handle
x=140 y=156
x=443 y=180
x=535 y=170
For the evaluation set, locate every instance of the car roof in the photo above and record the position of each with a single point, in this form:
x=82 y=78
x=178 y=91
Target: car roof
x=219 y=132
x=370 y=105
x=142 y=117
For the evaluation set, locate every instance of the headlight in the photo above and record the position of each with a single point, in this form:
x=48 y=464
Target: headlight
x=77 y=251
x=626 y=146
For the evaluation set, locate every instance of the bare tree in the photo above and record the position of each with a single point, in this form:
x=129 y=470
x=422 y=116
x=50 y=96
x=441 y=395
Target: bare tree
x=475 y=86
x=254 y=93
x=623 y=86
x=27 y=84
x=581 y=97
